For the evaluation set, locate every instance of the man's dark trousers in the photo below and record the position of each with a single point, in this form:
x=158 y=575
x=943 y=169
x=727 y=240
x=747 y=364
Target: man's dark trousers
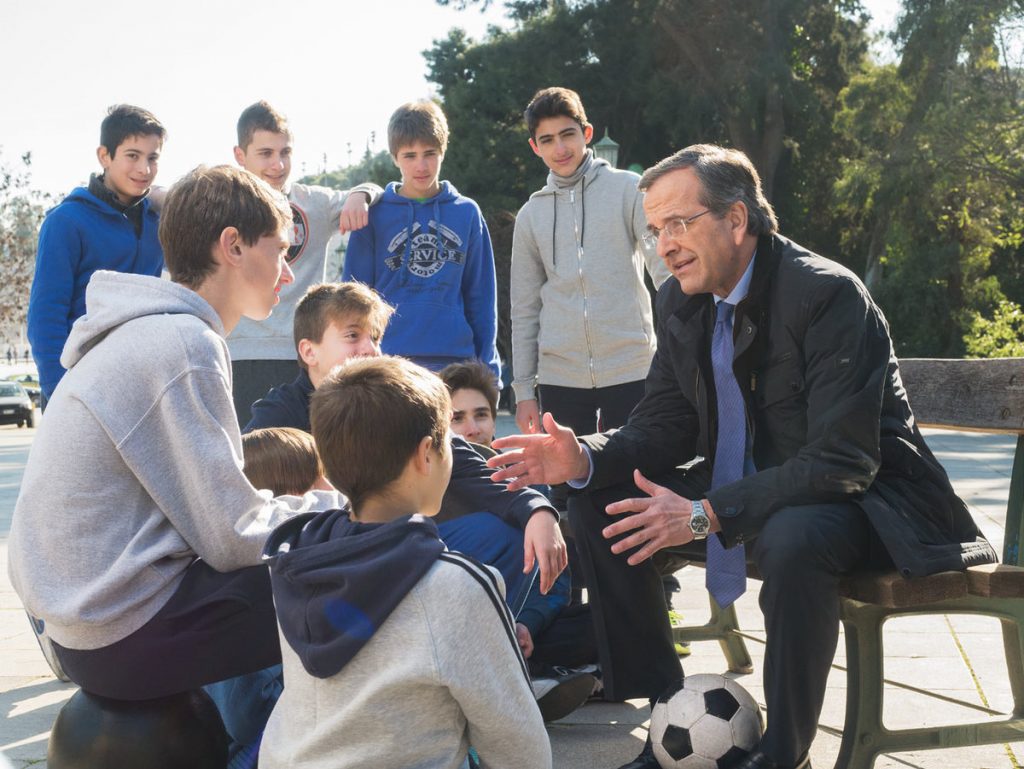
x=800 y=553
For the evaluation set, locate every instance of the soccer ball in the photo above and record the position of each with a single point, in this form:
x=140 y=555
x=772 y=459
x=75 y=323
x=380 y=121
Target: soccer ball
x=709 y=722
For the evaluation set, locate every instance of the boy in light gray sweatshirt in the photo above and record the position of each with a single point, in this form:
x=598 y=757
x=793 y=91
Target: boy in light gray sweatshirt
x=581 y=316
x=382 y=667
x=136 y=538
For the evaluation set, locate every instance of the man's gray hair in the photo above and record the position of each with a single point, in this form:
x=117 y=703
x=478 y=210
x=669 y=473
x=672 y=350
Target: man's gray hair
x=726 y=177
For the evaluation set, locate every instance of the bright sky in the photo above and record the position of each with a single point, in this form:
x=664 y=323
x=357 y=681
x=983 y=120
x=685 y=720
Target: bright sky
x=336 y=69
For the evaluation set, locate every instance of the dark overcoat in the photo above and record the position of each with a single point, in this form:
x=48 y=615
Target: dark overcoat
x=826 y=409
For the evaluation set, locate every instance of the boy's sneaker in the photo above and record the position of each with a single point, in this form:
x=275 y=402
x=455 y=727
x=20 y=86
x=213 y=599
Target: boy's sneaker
x=559 y=692
x=46 y=647
x=675 y=619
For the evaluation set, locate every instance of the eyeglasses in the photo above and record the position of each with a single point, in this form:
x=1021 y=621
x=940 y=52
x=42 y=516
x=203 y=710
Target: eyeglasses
x=674 y=228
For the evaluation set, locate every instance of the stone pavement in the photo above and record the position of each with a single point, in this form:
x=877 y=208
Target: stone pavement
x=957 y=659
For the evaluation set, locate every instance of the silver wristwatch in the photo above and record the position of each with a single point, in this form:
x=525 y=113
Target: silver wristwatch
x=700 y=524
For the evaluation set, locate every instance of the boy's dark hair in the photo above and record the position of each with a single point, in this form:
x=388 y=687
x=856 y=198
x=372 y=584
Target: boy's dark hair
x=205 y=202
x=326 y=303
x=368 y=418
x=417 y=121
x=472 y=375
x=124 y=120
x=260 y=117
x=554 y=102
x=282 y=459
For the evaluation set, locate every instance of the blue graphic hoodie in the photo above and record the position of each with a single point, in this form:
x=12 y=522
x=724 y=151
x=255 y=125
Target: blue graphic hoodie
x=79 y=236
x=433 y=261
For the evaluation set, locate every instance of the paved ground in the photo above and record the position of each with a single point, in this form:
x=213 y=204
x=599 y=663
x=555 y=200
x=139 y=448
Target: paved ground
x=958 y=658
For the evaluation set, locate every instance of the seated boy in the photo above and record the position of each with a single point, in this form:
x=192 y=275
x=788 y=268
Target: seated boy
x=108 y=225
x=474 y=400
x=549 y=633
x=142 y=554
x=338 y=321
x=284 y=460
x=261 y=351
x=335 y=322
x=384 y=667
x=428 y=252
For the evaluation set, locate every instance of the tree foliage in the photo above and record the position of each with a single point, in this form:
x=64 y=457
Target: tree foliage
x=910 y=173
x=930 y=186
x=21 y=214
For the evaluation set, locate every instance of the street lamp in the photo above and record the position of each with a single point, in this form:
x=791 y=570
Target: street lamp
x=607 y=149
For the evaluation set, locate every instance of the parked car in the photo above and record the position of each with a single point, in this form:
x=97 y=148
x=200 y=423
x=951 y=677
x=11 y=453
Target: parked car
x=31 y=384
x=16 y=408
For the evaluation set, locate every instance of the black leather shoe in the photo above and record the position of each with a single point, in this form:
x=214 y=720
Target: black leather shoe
x=758 y=760
x=645 y=760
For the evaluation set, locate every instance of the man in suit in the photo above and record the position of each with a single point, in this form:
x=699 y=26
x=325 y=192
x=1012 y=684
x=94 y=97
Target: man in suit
x=775 y=369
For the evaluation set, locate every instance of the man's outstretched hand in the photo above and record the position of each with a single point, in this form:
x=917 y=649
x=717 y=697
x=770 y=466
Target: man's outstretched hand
x=551 y=457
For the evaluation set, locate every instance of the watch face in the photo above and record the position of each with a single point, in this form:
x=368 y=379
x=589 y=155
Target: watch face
x=699 y=524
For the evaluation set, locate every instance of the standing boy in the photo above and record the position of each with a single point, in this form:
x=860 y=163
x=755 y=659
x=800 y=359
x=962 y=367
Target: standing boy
x=581 y=316
x=142 y=553
x=385 y=666
x=428 y=252
x=262 y=354
x=108 y=225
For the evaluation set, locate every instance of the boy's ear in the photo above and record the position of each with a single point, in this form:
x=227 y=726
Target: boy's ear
x=104 y=157
x=394 y=159
x=307 y=352
x=229 y=246
x=533 y=146
x=588 y=133
x=240 y=156
x=424 y=455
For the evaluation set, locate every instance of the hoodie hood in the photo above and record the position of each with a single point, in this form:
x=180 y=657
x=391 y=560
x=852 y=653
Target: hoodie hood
x=587 y=170
x=336 y=581
x=446 y=194
x=114 y=298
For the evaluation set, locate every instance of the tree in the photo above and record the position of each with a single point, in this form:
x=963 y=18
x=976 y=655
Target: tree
x=931 y=176
x=21 y=214
x=379 y=169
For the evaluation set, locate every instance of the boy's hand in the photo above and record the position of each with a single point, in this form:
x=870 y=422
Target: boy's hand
x=355 y=214
x=528 y=417
x=543 y=545
x=525 y=640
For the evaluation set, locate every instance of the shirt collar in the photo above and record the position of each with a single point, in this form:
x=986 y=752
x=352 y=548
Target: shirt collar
x=739 y=292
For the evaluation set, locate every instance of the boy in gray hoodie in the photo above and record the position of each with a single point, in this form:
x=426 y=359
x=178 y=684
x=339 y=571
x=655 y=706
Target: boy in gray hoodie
x=582 y=329
x=581 y=316
x=136 y=538
x=382 y=667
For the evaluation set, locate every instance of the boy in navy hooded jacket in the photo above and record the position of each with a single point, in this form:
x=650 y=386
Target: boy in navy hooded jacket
x=427 y=251
x=383 y=667
x=108 y=225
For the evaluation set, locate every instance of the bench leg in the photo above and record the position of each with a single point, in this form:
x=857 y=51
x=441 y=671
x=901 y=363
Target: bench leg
x=865 y=676
x=864 y=735
x=1013 y=644
x=722 y=627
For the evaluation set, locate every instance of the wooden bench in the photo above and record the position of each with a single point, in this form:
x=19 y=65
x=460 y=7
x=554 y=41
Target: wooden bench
x=968 y=395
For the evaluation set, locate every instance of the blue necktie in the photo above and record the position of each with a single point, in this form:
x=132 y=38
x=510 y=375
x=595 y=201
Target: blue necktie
x=726 y=577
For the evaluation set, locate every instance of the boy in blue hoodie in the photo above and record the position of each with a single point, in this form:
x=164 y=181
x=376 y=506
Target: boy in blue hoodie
x=108 y=225
x=427 y=251
x=382 y=667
